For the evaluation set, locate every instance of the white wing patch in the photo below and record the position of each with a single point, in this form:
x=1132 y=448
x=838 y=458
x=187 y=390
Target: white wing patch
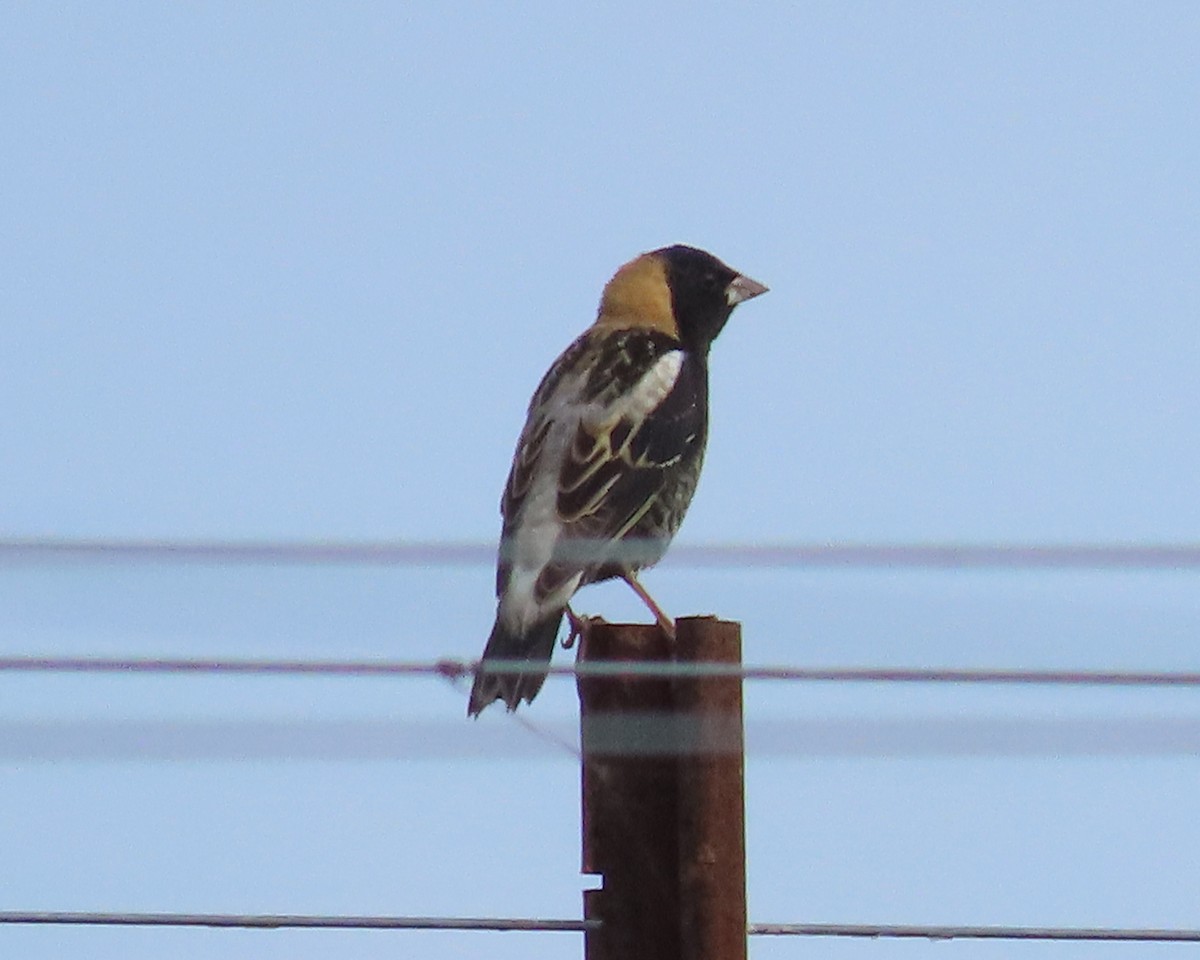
x=655 y=384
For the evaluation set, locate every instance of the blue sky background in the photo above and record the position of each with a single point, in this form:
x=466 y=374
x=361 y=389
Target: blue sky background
x=292 y=271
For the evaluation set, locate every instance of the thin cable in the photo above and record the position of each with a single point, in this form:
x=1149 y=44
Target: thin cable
x=280 y=921
x=875 y=931
x=539 y=730
x=1080 y=556
x=456 y=669
x=537 y=925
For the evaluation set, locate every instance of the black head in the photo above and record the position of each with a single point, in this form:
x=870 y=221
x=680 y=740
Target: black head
x=704 y=292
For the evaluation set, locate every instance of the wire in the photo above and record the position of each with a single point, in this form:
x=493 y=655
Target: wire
x=451 y=668
x=280 y=921
x=539 y=729
x=875 y=931
x=1080 y=556
x=537 y=925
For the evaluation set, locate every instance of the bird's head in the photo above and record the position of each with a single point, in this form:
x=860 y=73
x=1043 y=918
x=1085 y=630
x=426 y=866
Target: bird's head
x=679 y=290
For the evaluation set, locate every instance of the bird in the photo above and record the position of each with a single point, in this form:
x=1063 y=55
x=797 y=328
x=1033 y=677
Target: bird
x=609 y=457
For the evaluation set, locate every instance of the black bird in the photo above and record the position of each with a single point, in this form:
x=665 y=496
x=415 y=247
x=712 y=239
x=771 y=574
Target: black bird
x=610 y=455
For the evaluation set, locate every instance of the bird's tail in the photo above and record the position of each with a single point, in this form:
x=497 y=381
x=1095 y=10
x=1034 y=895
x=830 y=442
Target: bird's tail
x=534 y=646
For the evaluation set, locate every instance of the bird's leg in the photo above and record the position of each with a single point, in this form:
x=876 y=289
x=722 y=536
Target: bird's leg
x=665 y=622
x=576 y=628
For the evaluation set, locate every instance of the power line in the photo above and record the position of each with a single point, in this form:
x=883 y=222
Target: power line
x=537 y=925
x=875 y=931
x=1079 y=556
x=451 y=668
x=282 y=921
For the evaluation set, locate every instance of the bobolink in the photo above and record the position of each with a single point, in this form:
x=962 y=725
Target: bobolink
x=609 y=457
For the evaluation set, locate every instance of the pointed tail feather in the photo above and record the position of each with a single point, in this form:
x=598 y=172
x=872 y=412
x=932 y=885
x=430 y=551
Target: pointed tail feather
x=535 y=646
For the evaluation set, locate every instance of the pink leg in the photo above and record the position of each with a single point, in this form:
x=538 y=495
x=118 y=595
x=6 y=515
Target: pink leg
x=665 y=622
x=577 y=627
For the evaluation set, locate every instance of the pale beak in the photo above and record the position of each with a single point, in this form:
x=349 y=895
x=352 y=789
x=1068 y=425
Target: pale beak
x=742 y=288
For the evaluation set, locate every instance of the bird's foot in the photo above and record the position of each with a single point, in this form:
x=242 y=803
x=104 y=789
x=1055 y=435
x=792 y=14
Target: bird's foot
x=577 y=628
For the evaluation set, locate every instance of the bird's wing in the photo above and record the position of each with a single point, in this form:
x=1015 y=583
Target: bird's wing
x=544 y=410
x=643 y=422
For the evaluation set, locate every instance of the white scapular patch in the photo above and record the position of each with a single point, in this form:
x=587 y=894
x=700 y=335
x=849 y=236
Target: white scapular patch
x=655 y=384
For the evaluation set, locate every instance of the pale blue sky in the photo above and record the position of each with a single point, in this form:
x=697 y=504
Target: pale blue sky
x=293 y=270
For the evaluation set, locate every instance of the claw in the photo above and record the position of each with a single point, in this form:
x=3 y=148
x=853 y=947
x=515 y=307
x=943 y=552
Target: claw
x=576 y=629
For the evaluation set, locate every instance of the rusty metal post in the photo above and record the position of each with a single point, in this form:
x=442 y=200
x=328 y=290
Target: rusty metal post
x=629 y=803
x=663 y=820
x=711 y=815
